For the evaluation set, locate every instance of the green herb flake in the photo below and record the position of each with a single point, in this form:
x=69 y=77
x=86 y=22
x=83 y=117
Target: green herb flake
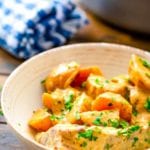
x=106 y=81
x=147 y=140
x=147 y=104
x=114 y=123
x=43 y=81
x=88 y=134
x=135 y=139
x=84 y=144
x=147 y=74
x=69 y=101
x=149 y=123
x=104 y=124
x=54 y=117
x=77 y=115
x=1 y=112
x=98 y=122
x=128 y=131
x=145 y=63
x=124 y=124
x=97 y=81
x=134 y=112
x=107 y=146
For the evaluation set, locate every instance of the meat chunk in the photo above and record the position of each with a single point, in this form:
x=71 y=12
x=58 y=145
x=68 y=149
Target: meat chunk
x=77 y=137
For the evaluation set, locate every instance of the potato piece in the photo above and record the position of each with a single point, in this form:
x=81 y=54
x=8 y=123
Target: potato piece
x=118 y=84
x=57 y=100
x=83 y=75
x=108 y=101
x=142 y=119
x=62 y=76
x=102 y=118
x=139 y=72
x=95 y=85
x=138 y=98
x=98 y=84
x=81 y=104
x=40 y=120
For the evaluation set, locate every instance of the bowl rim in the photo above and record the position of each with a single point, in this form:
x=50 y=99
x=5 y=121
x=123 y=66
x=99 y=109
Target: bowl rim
x=12 y=75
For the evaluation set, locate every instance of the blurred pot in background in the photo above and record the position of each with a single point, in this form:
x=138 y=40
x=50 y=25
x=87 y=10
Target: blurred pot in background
x=130 y=14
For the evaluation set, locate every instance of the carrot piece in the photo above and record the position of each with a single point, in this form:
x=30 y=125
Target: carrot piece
x=83 y=75
x=109 y=101
x=47 y=100
x=40 y=120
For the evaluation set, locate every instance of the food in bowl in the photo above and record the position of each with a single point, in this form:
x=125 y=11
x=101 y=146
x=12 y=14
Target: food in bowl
x=84 y=110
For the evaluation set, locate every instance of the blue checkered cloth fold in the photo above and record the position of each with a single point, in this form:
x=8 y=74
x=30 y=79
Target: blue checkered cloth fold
x=28 y=27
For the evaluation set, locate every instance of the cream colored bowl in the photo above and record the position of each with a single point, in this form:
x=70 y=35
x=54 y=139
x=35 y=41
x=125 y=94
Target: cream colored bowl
x=22 y=91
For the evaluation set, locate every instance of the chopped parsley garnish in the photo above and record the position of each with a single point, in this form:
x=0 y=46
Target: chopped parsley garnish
x=98 y=122
x=114 y=123
x=88 y=134
x=97 y=81
x=69 y=101
x=107 y=146
x=54 y=117
x=145 y=63
x=134 y=112
x=147 y=104
x=148 y=75
x=111 y=122
x=84 y=144
x=149 y=123
x=43 y=81
x=106 y=81
x=135 y=139
x=124 y=124
x=128 y=131
x=1 y=112
x=147 y=140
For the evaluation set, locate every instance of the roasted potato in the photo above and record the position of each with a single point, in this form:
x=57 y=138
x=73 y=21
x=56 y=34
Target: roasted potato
x=139 y=72
x=62 y=76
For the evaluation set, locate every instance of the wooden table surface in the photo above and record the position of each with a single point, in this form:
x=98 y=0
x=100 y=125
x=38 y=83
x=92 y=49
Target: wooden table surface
x=96 y=31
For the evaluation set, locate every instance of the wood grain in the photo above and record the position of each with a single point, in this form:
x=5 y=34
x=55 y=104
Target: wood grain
x=7 y=63
x=7 y=140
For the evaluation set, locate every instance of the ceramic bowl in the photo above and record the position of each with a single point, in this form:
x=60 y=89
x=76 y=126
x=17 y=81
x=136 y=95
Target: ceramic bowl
x=132 y=15
x=22 y=91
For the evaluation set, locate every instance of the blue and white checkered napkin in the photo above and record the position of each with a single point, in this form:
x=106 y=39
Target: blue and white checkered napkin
x=28 y=27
